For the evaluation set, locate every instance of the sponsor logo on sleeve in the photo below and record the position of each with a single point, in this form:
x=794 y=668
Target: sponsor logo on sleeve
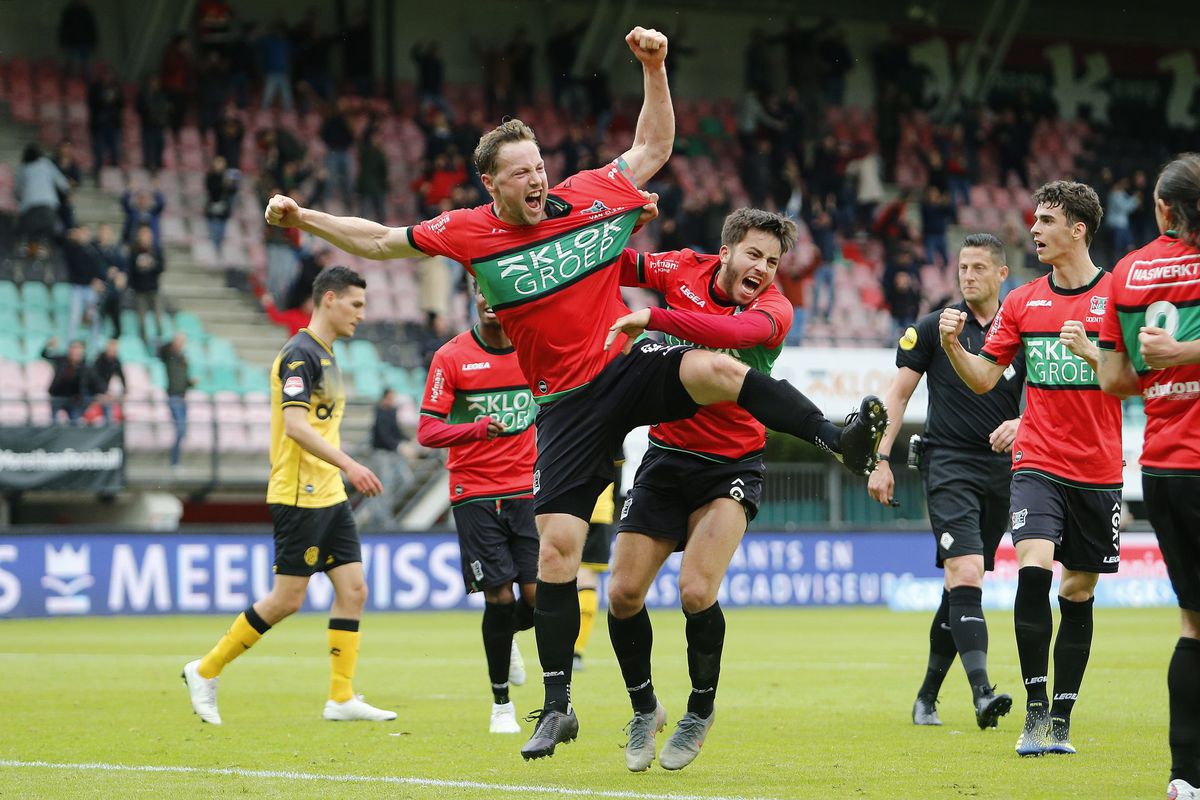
x=909 y=340
x=293 y=386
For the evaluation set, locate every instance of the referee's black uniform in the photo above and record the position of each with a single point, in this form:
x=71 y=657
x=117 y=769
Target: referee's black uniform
x=966 y=483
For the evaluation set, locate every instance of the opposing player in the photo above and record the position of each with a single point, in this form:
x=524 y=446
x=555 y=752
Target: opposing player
x=545 y=261
x=1066 y=485
x=478 y=404
x=314 y=528
x=966 y=473
x=1150 y=345
x=699 y=483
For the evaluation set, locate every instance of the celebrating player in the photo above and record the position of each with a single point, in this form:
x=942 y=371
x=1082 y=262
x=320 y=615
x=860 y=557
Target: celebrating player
x=1066 y=486
x=545 y=260
x=965 y=471
x=700 y=481
x=1150 y=345
x=597 y=551
x=478 y=404
x=314 y=528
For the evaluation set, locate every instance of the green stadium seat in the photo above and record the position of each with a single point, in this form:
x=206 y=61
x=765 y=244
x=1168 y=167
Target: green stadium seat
x=35 y=295
x=132 y=350
x=253 y=380
x=221 y=351
x=367 y=385
x=158 y=373
x=9 y=296
x=191 y=325
x=224 y=378
x=363 y=353
x=416 y=382
x=33 y=344
x=11 y=347
x=342 y=354
x=37 y=320
x=60 y=296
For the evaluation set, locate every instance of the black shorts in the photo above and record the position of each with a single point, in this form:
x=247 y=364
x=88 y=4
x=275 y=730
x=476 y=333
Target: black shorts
x=1084 y=524
x=1174 y=507
x=597 y=547
x=670 y=485
x=310 y=540
x=580 y=435
x=498 y=541
x=967 y=495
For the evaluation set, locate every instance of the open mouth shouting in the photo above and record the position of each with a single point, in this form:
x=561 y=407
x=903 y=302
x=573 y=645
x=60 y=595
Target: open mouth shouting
x=535 y=200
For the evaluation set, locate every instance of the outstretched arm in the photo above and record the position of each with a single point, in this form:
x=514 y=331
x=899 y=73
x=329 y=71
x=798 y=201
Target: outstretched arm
x=655 y=133
x=976 y=372
x=356 y=236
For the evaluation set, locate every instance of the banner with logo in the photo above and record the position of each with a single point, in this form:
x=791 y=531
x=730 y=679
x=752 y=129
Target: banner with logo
x=62 y=457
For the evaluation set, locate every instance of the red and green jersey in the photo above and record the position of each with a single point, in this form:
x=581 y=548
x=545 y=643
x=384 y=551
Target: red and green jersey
x=467 y=382
x=1071 y=431
x=553 y=285
x=1159 y=286
x=687 y=280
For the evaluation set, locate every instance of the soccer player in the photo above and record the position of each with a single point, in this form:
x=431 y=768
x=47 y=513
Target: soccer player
x=478 y=404
x=1066 y=486
x=545 y=260
x=314 y=527
x=700 y=481
x=965 y=471
x=1150 y=345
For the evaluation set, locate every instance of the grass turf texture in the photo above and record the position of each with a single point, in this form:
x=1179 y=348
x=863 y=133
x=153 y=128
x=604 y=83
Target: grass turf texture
x=813 y=703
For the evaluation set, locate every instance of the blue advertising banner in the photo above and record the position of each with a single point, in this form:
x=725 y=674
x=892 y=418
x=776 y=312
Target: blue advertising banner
x=185 y=573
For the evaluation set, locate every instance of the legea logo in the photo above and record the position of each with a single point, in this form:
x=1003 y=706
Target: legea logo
x=68 y=573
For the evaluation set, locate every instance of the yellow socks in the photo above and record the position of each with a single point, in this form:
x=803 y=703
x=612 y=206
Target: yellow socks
x=588 y=602
x=343 y=656
x=247 y=629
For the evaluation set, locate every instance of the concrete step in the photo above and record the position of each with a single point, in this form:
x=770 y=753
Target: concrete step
x=203 y=306
x=184 y=288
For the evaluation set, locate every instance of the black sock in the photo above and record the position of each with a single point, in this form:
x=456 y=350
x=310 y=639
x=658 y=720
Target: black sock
x=632 y=641
x=781 y=407
x=941 y=650
x=970 y=635
x=1184 y=692
x=556 y=625
x=706 y=638
x=1072 y=647
x=522 y=618
x=1034 y=625
x=497 y=646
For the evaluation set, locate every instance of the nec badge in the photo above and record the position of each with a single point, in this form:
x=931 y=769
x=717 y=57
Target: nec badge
x=1018 y=518
x=293 y=386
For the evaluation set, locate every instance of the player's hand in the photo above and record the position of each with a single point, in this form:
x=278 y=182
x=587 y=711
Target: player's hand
x=632 y=325
x=1159 y=348
x=282 y=211
x=650 y=210
x=494 y=428
x=648 y=45
x=363 y=480
x=1074 y=336
x=950 y=325
x=1005 y=434
x=881 y=484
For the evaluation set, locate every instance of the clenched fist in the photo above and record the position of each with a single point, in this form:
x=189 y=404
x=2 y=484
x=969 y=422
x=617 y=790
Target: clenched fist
x=950 y=325
x=282 y=211
x=649 y=45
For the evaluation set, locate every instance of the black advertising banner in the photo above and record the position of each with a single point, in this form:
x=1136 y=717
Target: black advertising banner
x=60 y=457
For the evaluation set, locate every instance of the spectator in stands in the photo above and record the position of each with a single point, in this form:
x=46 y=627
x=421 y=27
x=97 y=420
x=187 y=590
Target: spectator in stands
x=220 y=186
x=275 y=53
x=68 y=165
x=116 y=276
x=229 y=135
x=146 y=265
x=281 y=245
x=372 y=183
x=179 y=380
x=105 y=367
x=312 y=263
x=866 y=172
x=38 y=188
x=142 y=207
x=823 y=229
x=904 y=300
x=1121 y=204
x=390 y=463
x=178 y=77
x=793 y=277
x=71 y=382
x=958 y=166
x=937 y=212
x=338 y=138
x=86 y=275
x=1141 y=221
x=105 y=102
x=278 y=150
x=214 y=25
x=78 y=37
x=293 y=319
x=437 y=186
x=154 y=108
x=212 y=91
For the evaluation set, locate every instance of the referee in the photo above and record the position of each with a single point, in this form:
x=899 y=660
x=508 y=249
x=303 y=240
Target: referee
x=965 y=471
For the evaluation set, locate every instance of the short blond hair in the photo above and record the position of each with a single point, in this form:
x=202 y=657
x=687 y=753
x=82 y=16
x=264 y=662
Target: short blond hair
x=487 y=152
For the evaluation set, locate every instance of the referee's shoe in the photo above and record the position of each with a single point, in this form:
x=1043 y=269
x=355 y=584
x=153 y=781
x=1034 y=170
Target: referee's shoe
x=861 y=434
x=990 y=707
x=553 y=728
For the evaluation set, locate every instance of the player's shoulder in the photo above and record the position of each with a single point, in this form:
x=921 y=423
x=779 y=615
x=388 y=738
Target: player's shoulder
x=613 y=177
x=771 y=300
x=303 y=346
x=461 y=343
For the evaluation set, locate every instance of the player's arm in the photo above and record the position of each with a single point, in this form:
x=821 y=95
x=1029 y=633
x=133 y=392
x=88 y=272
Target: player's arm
x=977 y=372
x=1161 y=350
x=297 y=428
x=655 y=133
x=881 y=484
x=1117 y=375
x=434 y=433
x=1002 y=438
x=354 y=235
x=1074 y=336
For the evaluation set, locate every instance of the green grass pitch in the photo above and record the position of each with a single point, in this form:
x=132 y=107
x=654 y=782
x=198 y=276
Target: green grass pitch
x=812 y=704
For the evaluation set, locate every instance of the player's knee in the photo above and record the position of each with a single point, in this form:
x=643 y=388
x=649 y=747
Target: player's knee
x=712 y=377
x=287 y=603
x=355 y=595
x=696 y=595
x=623 y=600
x=963 y=572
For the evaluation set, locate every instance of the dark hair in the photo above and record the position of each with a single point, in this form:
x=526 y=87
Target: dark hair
x=488 y=150
x=986 y=241
x=336 y=280
x=1179 y=187
x=32 y=153
x=744 y=220
x=1079 y=203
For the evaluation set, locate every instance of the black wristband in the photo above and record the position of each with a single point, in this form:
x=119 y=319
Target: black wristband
x=884 y=457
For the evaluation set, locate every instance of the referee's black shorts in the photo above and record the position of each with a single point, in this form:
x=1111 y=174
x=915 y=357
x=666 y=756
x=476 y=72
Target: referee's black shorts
x=1173 y=504
x=967 y=493
x=580 y=435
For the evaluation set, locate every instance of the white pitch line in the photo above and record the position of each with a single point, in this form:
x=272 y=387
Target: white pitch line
x=385 y=779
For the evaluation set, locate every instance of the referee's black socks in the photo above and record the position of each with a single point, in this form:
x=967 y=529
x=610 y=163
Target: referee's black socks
x=632 y=642
x=781 y=407
x=556 y=626
x=969 y=629
x=497 y=646
x=1185 y=711
x=1072 y=647
x=1034 y=625
x=941 y=650
x=706 y=639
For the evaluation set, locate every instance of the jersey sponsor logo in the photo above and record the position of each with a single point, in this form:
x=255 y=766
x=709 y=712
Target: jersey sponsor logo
x=1018 y=518
x=294 y=364
x=438 y=223
x=1051 y=363
x=477 y=365
x=513 y=409
x=1039 y=304
x=690 y=295
x=909 y=340
x=1173 y=390
x=1163 y=272
x=438 y=386
x=597 y=207
x=293 y=386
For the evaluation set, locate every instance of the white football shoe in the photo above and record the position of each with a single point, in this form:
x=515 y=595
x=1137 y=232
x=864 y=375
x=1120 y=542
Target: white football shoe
x=203 y=692
x=516 y=665
x=355 y=710
x=504 y=719
x=1179 y=789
